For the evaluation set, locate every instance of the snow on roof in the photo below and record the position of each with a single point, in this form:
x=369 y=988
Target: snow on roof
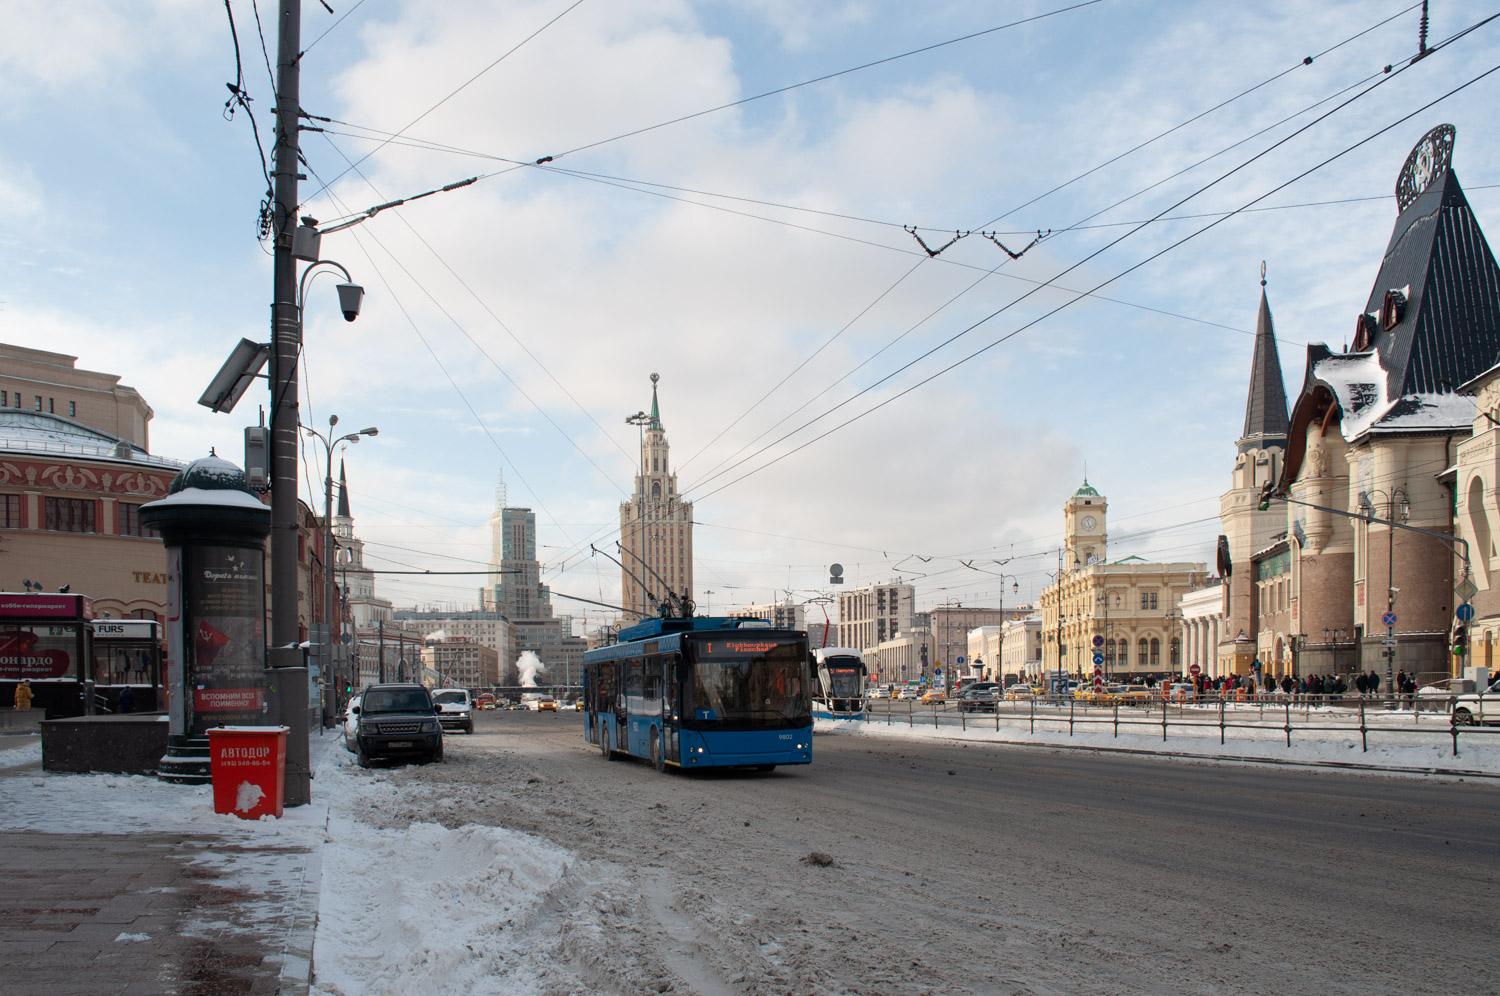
x=1359 y=382
x=221 y=497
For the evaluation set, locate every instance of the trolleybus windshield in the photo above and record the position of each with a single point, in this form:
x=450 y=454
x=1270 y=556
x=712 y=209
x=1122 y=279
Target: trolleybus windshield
x=748 y=682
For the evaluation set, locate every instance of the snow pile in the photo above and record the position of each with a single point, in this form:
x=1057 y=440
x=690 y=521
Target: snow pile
x=430 y=910
x=421 y=908
x=1418 y=751
x=14 y=757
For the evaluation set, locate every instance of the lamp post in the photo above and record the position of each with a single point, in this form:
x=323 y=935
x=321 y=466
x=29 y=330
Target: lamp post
x=1015 y=586
x=1368 y=506
x=329 y=441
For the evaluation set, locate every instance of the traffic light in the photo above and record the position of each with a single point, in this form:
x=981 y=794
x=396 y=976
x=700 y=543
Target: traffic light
x=1460 y=640
x=1266 y=491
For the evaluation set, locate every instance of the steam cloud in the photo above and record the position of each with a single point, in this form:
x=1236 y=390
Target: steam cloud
x=529 y=664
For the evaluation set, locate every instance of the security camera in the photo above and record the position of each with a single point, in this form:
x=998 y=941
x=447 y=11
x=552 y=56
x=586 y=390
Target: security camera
x=350 y=296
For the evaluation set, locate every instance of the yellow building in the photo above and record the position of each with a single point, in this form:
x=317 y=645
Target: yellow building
x=1124 y=613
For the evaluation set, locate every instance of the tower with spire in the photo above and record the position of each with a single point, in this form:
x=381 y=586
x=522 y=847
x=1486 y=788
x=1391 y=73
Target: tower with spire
x=365 y=609
x=656 y=526
x=1259 y=454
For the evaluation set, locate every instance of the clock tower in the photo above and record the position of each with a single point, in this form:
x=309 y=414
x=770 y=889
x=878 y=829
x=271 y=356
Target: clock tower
x=1083 y=528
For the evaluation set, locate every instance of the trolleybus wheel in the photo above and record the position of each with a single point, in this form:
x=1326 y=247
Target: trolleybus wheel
x=658 y=756
x=765 y=767
x=604 y=741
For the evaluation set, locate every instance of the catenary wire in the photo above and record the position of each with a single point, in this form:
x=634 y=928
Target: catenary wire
x=1379 y=82
x=1110 y=280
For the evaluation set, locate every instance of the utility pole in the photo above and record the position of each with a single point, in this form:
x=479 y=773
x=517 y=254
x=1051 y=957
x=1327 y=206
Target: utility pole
x=285 y=656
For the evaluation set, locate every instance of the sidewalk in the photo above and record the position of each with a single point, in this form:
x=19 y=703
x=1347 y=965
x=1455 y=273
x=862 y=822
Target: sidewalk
x=123 y=885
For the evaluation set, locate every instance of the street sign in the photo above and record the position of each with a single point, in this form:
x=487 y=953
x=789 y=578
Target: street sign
x=960 y=660
x=1194 y=670
x=1098 y=672
x=1098 y=658
x=1388 y=641
x=1098 y=641
x=1466 y=589
x=1388 y=619
x=1464 y=612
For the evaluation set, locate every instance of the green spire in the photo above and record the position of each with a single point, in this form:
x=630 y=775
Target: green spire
x=1086 y=491
x=655 y=412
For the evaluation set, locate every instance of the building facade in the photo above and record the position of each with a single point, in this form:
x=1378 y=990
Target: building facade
x=1203 y=629
x=1373 y=438
x=656 y=528
x=1124 y=612
x=950 y=626
x=874 y=614
x=480 y=626
x=454 y=662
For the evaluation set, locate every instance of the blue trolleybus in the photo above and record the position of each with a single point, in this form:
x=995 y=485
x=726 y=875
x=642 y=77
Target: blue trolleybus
x=702 y=693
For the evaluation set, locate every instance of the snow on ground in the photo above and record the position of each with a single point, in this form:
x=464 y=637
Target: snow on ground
x=1393 y=742
x=423 y=908
x=14 y=757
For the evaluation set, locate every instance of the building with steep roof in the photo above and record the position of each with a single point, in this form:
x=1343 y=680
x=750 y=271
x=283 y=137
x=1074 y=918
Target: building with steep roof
x=656 y=528
x=1260 y=453
x=1374 y=433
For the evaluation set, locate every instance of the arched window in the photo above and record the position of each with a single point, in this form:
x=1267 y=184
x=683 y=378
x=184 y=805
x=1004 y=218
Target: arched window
x=1176 y=653
x=1155 y=653
x=655 y=489
x=1142 y=651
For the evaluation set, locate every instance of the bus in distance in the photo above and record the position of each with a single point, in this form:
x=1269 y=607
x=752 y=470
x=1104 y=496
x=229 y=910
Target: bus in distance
x=701 y=692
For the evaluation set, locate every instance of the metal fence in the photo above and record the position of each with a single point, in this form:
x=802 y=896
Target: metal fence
x=1286 y=714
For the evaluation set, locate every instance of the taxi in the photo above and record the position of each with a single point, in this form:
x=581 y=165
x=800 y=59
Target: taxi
x=934 y=695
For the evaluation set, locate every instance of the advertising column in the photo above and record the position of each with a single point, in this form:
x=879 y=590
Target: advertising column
x=214 y=529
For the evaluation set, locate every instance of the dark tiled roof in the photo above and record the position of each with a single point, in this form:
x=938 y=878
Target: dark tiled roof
x=1266 y=418
x=1449 y=330
x=343 y=493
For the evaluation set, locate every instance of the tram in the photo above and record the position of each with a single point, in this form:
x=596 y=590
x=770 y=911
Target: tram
x=840 y=684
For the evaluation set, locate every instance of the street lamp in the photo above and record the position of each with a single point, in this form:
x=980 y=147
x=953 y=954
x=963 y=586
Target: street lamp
x=329 y=442
x=1368 y=507
x=1015 y=586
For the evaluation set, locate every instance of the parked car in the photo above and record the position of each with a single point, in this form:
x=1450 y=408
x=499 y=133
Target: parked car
x=908 y=693
x=1136 y=695
x=1020 y=692
x=1475 y=708
x=397 y=720
x=879 y=692
x=979 y=697
x=455 y=709
x=934 y=695
x=351 y=722
x=1181 y=691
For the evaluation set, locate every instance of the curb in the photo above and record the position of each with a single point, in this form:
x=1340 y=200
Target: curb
x=1183 y=755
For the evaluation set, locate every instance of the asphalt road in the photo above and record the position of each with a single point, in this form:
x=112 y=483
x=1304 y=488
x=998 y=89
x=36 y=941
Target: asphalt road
x=972 y=869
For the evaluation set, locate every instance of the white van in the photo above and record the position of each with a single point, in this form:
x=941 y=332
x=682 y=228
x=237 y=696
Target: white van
x=455 y=709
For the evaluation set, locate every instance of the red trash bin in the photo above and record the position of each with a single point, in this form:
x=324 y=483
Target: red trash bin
x=248 y=765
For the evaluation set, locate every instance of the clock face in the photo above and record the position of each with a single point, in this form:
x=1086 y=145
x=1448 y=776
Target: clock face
x=1089 y=523
x=1428 y=159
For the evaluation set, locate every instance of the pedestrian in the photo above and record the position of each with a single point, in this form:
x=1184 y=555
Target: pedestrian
x=1374 y=682
x=1361 y=683
x=127 y=700
x=23 y=695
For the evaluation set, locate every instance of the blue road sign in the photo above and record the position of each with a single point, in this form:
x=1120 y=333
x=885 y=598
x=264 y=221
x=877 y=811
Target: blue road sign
x=1098 y=641
x=1098 y=658
x=1464 y=612
x=960 y=660
x=1389 y=619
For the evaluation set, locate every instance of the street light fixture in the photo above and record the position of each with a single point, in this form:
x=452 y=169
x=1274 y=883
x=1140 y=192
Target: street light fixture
x=330 y=694
x=1368 y=506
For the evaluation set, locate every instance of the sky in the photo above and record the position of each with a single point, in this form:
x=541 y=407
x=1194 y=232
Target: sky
x=831 y=393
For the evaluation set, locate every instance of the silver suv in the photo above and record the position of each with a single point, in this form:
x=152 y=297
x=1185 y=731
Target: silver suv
x=1478 y=708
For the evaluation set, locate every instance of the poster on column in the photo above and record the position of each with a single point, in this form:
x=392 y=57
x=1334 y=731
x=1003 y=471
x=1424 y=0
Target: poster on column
x=227 y=594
